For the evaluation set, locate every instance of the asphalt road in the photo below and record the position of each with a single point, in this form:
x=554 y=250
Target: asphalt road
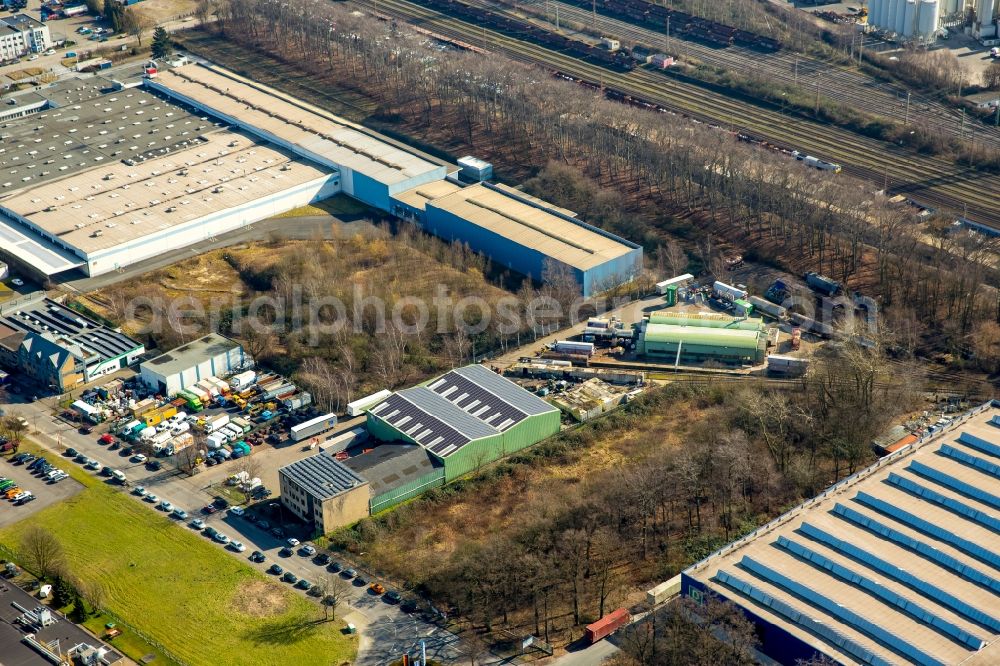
x=385 y=631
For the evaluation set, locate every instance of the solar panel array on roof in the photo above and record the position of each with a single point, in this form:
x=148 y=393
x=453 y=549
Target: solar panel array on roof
x=322 y=476
x=477 y=401
x=47 y=316
x=505 y=389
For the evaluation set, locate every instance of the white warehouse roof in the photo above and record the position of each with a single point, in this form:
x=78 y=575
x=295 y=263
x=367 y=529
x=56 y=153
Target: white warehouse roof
x=327 y=136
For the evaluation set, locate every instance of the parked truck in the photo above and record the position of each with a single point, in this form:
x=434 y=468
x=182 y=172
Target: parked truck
x=298 y=401
x=241 y=423
x=312 y=427
x=607 y=625
x=213 y=423
x=204 y=396
x=728 y=292
x=179 y=443
x=243 y=380
x=192 y=401
x=822 y=284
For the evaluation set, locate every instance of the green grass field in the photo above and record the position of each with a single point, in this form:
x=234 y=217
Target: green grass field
x=180 y=592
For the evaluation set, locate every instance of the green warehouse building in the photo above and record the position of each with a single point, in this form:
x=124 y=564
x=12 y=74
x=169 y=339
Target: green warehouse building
x=697 y=338
x=466 y=418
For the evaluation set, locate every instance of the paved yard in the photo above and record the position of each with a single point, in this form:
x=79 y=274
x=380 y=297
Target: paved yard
x=47 y=493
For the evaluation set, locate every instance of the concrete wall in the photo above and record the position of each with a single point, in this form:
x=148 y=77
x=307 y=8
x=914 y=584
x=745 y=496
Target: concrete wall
x=345 y=509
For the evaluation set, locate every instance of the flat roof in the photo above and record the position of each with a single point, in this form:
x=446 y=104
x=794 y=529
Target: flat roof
x=189 y=355
x=68 y=327
x=335 y=139
x=31 y=248
x=94 y=131
x=531 y=226
x=420 y=195
x=322 y=476
x=899 y=562
x=115 y=203
x=389 y=466
x=68 y=92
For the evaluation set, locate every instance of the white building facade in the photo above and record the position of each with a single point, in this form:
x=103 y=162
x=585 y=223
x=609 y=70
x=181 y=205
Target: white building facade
x=20 y=34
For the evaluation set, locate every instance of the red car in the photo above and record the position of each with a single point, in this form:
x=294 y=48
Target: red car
x=106 y=438
x=208 y=509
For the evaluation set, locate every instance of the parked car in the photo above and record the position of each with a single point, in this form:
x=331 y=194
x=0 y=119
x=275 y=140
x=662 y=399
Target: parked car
x=263 y=524
x=210 y=532
x=139 y=458
x=408 y=606
x=179 y=513
x=208 y=509
x=285 y=552
x=19 y=458
x=275 y=569
x=106 y=471
x=334 y=567
x=85 y=429
x=139 y=490
x=25 y=500
x=151 y=498
x=392 y=597
x=348 y=573
x=303 y=584
x=71 y=453
x=257 y=556
x=154 y=465
x=59 y=476
x=221 y=538
x=166 y=506
x=292 y=541
x=307 y=550
x=106 y=438
x=81 y=458
x=289 y=577
x=92 y=464
x=278 y=532
x=198 y=524
x=126 y=452
x=27 y=460
x=237 y=546
x=322 y=559
x=237 y=511
x=220 y=503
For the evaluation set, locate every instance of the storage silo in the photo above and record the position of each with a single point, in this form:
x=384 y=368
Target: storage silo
x=909 y=18
x=927 y=18
x=883 y=15
x=950 y=7
x=874 y=7
x=898 y=14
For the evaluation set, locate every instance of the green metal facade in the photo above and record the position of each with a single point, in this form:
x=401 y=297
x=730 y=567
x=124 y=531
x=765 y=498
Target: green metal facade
x=733 y=346
x=389 y=499
x=482 y=451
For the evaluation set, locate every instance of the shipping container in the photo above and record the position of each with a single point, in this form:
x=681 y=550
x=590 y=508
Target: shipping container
x=742 y=308
x=345 y=440
x=680 y=281
x=573 y=347
x=767 y=307
x=313 y=427
x=822 y=284
x=728 y=292
x=607 y=625
x=358 y=407
x=142 y=407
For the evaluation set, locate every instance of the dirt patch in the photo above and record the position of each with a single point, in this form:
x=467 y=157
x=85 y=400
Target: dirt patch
x=260 y=598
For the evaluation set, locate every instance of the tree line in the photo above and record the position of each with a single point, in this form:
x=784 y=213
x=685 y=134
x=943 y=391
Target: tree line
x=675 y=177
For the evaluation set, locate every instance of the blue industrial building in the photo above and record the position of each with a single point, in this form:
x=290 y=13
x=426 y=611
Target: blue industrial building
x=896 y=564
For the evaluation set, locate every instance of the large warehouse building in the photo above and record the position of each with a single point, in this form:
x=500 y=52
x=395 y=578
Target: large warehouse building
x=98 y=180
x=898 y=564
x=210 y=356
x=698 y=338
x=466 y=418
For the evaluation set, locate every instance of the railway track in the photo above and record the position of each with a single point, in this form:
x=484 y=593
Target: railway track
x=950 y=188
x=839 y=84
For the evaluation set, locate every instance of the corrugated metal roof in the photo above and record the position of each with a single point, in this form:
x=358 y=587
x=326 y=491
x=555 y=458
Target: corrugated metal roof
x=322 y=476
x=718 y=337
x=899 y=562
x=533 y=227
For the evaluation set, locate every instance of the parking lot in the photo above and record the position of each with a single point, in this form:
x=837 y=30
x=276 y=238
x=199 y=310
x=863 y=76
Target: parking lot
x=47 y=493
x=384 y=627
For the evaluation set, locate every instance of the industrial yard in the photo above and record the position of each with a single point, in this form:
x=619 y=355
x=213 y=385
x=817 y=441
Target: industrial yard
x=511 y=342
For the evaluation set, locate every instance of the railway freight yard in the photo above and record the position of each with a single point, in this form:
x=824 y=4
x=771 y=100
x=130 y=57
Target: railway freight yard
x=370 y=402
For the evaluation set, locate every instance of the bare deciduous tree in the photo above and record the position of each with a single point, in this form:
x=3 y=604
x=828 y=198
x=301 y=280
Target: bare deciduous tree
x=41 y=552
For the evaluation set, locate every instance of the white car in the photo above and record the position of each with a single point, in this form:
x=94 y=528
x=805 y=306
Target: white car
x=50 y=52
x=17 y=282
x=22 y=495
x=237 y=511
x=139 y=458
x=293 y=542
x=33 y=56
x=237 y=546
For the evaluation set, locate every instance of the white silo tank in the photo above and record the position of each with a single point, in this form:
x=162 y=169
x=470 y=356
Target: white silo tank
x=890 y=15
x=910 y=18
x=951 y=7
x=927 y=18
x=898 y=14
